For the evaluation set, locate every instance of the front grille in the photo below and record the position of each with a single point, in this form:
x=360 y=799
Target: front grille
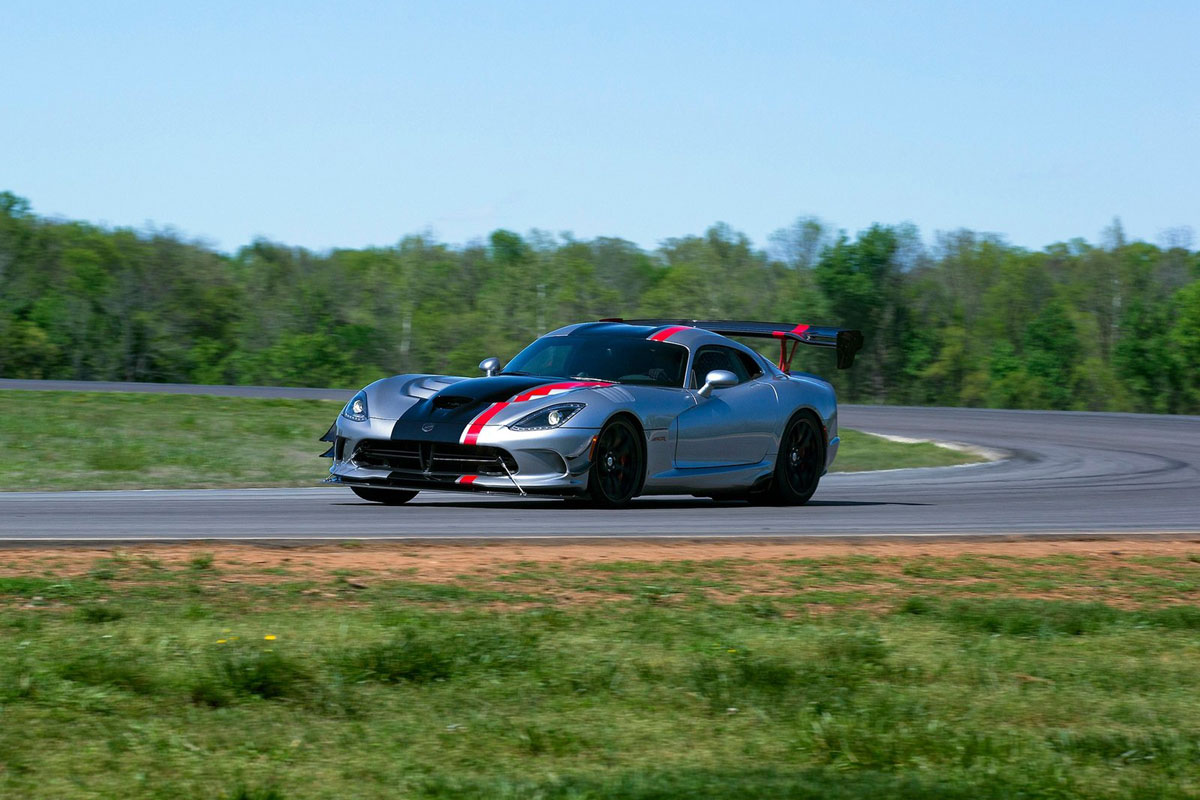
x=435 y=459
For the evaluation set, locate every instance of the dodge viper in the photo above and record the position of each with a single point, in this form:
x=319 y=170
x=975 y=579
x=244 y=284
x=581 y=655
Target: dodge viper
x=605 y=411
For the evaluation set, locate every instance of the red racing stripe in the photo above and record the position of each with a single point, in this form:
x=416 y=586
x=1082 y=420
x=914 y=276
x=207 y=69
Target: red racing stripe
x=555 y=388
x=466 y=479
x=472 y=431
x=799 y=329
x=667 y=333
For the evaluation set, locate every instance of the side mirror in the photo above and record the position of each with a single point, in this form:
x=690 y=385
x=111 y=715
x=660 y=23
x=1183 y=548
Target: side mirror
x=489 y=366
x=717 y=379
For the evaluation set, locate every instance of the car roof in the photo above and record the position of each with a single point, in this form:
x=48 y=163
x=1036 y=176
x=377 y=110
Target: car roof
x=689 y=337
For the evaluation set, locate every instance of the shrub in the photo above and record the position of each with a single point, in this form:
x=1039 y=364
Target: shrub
x=1031 y=617
x=210 y=691
x=100 y=613
x=94 y=667
x=420 y=656
x=1024 y=617
x=856 y=647
x=261 y=672
x=201 y=561
x=243 y=792
x=742 y=678
x=408 y=658
x=918 y=605
x=761 y=608
x=1185 y=618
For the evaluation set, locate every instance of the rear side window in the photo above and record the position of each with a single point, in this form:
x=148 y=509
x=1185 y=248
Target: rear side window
x=713 y=357
x=752 y=367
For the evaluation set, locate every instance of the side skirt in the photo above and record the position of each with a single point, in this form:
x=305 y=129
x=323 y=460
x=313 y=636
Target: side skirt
x=702 y=480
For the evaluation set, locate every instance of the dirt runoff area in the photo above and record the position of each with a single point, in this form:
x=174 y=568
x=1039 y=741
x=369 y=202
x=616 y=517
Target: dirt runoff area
x=447 y=562
x=755 y=567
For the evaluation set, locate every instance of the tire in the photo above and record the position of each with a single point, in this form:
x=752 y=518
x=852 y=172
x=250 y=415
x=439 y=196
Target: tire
x=618 y=465
x=389 y=497
x=799 y=463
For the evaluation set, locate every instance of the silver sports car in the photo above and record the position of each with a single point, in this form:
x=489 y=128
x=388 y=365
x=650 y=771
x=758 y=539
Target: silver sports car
x=605 y=411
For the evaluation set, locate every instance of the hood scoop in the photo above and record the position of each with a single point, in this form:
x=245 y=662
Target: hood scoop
x=450 y=401
x=423 y=387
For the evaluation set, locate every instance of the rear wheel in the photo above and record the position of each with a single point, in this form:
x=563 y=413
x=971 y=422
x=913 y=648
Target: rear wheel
x=798 y=465
x=617 y=465
x=389 y=497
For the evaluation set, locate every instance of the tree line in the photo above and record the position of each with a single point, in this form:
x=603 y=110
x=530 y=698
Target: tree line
x=966 y=320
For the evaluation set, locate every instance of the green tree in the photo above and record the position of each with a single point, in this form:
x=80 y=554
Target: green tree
x=1184 y=339
x=973 y=320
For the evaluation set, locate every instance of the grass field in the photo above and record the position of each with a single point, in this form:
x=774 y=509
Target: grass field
x=633 y=671
x=82 y=440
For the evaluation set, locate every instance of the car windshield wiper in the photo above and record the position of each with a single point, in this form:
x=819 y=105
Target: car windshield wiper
x=515 y=372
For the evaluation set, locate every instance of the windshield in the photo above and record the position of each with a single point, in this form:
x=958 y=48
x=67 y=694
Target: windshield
x=602 y=358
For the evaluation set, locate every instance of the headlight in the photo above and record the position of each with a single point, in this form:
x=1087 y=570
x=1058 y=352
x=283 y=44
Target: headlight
x=547 y=418
x=356 y=409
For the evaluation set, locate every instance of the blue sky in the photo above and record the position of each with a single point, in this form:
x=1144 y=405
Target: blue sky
x=349 y=124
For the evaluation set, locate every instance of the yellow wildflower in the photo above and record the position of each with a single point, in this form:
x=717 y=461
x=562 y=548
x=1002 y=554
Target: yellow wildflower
x=270 y=637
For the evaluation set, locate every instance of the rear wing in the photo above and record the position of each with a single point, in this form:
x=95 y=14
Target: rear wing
x=846 y=342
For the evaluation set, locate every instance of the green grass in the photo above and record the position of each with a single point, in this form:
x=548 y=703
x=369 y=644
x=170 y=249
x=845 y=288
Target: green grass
x=165 y=682
x=863 y=451
x=94 y=440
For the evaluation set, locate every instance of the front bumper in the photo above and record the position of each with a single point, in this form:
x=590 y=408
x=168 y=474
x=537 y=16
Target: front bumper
x=554 y=462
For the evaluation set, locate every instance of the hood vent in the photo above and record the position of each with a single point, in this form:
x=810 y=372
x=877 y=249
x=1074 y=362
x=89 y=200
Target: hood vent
x=450 y=401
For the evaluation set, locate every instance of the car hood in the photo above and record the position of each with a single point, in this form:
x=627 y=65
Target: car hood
x=452 y=413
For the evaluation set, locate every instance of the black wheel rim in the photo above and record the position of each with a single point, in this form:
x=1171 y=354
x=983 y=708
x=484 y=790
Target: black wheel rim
x=801 y=453
x=617 y=462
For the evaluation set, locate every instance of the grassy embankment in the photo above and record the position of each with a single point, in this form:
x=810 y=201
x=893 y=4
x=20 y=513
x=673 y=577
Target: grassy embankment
x=380 y=672
x=78 y=440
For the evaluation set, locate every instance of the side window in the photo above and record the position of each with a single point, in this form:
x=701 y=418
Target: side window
x=752 y=367
x=715 y=357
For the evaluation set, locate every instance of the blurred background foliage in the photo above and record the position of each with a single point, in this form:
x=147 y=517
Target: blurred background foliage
x=966 y=320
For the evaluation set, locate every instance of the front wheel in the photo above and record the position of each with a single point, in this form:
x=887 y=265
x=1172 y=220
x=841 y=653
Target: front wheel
x=798 y=465
x=617 y=465
x=389 y=497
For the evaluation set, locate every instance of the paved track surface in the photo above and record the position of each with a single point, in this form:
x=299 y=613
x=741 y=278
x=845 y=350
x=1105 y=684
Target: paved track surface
x=1067 y=473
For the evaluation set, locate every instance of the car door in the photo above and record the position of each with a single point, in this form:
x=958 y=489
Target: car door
x=732 y=426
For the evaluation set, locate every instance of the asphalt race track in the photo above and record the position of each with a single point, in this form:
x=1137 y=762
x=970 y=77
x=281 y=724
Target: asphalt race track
x=1067 y=473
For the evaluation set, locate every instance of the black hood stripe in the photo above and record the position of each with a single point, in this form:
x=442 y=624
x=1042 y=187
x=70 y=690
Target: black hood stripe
x=459 y=412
